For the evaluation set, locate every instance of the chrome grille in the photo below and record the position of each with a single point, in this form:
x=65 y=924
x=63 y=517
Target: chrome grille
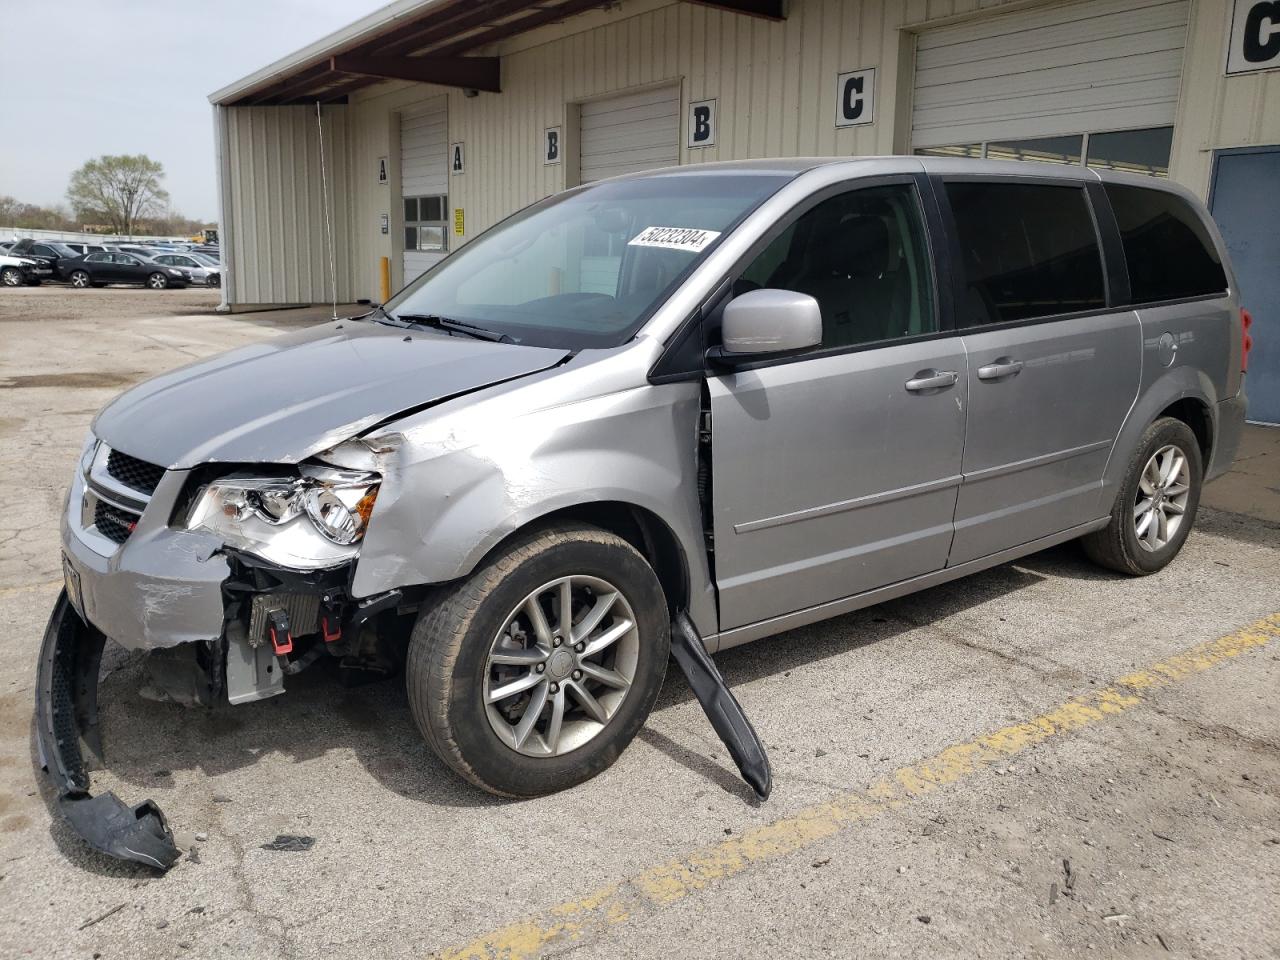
x=134 y=473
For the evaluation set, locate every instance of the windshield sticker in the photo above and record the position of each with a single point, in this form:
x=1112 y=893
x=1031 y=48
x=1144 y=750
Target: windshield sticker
x=674 y=238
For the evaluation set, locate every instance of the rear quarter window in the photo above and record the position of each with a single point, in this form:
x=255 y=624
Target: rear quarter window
x=1167 y=248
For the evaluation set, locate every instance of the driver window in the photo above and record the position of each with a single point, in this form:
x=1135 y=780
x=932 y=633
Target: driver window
x=864 y=257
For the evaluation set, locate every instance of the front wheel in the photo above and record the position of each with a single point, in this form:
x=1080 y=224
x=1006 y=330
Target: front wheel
x=534 y=673
x=11 y=277
x=157 y=281
x=1156 y=504
x=80 y=280
x=214 y=280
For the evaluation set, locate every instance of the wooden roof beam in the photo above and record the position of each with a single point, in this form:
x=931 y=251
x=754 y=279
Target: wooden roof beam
x=473 y=73
x=767 y=9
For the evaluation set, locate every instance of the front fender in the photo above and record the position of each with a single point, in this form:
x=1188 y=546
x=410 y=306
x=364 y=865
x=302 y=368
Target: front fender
x=454 y=489
x=1178 y=383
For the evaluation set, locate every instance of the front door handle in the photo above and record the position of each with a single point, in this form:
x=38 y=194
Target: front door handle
x=931 y=380
x=1003 y=367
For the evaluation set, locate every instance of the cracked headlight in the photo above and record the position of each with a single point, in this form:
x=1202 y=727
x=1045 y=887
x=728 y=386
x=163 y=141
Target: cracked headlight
x=310 y=521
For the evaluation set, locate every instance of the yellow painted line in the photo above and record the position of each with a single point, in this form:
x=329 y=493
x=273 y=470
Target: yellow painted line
x=663 y=885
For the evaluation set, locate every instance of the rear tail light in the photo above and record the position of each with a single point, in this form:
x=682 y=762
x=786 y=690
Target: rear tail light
x=1246 y=321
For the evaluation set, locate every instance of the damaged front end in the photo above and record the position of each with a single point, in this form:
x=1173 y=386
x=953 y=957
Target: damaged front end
x=229 y=580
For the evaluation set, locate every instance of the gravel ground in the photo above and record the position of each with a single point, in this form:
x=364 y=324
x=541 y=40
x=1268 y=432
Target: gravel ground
x=943 y=787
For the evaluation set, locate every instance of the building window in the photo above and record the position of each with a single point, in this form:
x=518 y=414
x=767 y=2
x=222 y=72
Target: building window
x=424 y=224
x=1133 y=151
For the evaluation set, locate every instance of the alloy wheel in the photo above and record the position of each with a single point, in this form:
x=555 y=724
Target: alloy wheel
x=80 y=280
x=561 y=666
x=11 y=277
x=1163 y=491
x=157 y=281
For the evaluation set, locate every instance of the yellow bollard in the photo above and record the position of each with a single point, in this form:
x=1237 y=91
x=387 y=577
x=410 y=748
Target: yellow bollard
x=386 y=279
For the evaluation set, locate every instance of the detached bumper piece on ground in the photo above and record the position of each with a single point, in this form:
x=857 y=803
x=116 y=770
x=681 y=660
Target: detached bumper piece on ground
x=721 y=706
x=67 y=729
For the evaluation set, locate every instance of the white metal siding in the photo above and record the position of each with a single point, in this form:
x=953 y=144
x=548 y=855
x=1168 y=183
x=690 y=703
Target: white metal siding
x=1095 y=65
x=277 y=251
x=633 y=132
x=424 y=167
x=775 y=83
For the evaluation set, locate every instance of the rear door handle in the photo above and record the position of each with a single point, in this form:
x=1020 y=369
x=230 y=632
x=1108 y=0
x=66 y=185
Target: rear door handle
x=1003 y=367
x=931 y=380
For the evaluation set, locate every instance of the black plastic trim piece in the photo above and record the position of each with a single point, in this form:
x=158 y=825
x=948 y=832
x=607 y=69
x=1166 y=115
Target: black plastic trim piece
x=66 y=721
x=721 y=706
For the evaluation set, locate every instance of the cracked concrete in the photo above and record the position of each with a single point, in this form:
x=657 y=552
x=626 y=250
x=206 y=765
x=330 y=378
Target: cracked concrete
x=409 y=861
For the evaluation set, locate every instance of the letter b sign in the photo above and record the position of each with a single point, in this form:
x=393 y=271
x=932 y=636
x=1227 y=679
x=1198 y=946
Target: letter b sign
x=855 y=98
x=702 y=124
x=551 y=146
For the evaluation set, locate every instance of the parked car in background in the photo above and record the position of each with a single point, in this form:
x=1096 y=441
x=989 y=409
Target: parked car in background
x=114 y=266
x=15 y=271
x=206 y=274
x=45 y=255
x=144 y=250
x=83 y=248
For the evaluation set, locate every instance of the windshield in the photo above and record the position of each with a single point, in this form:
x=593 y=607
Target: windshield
x=586 y=268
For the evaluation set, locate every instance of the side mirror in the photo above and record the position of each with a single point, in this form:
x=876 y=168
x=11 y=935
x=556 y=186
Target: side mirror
x=765 y=323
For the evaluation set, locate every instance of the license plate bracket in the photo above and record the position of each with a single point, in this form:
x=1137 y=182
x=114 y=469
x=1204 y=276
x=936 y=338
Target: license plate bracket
x=71 y=580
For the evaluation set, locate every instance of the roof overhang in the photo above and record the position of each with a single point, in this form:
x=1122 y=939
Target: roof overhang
x=424 y=41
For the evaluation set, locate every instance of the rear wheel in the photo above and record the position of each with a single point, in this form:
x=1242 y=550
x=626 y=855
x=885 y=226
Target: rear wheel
x=11 y=277
x=1156 y=504
x=79 y=279
x=534 y=673
x=157 y=281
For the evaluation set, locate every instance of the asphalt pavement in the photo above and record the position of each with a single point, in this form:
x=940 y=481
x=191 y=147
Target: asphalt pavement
x=1044 y=760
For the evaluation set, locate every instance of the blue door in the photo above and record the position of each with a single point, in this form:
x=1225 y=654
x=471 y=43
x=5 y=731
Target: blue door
x=1245 y=200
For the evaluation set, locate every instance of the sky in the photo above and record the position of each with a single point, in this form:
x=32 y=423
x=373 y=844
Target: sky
x=90 y=77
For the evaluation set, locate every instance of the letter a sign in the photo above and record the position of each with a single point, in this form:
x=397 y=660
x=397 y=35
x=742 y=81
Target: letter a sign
x=856 y=98
x=457 y=159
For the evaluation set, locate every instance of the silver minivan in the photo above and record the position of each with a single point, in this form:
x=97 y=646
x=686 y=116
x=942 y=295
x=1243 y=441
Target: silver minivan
x=741 y=397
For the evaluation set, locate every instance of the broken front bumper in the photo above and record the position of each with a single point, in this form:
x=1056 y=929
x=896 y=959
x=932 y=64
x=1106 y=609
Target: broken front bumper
x=67 y=730
x=160 y=587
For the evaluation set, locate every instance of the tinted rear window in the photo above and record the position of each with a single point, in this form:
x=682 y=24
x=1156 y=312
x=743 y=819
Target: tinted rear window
x=1028 y=250
x=1166 y=246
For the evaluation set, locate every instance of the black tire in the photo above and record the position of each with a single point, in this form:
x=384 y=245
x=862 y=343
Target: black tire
x=448 y=658
x=80 y=280
x=215 y=280
x=1116 y=545
x=11 y=277
x=157 y=281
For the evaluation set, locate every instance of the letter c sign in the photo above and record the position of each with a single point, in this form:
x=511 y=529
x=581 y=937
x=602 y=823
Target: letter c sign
x=856 y=98
x=1255 y=36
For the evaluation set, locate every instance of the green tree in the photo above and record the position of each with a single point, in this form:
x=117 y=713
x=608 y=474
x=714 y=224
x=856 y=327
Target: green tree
x=119 y=191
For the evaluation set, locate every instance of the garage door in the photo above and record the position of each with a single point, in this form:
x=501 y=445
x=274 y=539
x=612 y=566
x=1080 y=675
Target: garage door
x=1098 y=65
x=633 y=132
x=424 y=184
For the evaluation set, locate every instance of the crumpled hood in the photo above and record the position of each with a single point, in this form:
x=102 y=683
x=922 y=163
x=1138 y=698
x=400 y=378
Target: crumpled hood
x=285 y=399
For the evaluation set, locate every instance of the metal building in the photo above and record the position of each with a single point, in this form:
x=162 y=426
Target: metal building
x=440 y=117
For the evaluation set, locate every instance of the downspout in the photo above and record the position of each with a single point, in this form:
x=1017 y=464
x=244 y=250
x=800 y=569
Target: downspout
x=226 y=224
